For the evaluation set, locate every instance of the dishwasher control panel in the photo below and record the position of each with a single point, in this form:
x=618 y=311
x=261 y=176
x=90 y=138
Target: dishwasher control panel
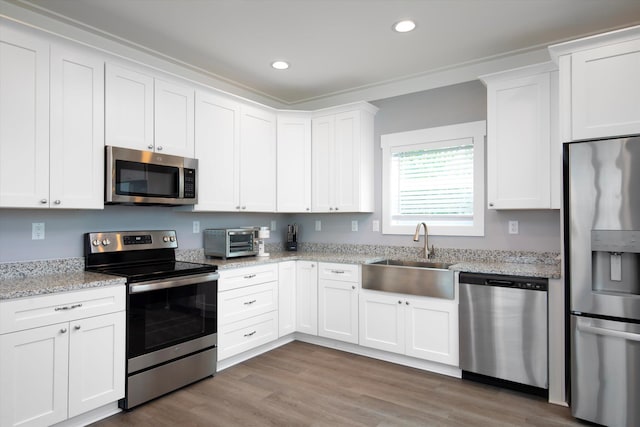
x=504 y=281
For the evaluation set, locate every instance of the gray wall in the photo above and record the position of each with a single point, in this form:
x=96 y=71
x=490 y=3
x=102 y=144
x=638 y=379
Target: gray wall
x=539 y=230
x=465 y=102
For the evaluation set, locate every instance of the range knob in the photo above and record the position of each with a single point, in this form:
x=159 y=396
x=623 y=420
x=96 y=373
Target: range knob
x=106 y=242
x=165 y=239
x=172 y=238
x=96 y=242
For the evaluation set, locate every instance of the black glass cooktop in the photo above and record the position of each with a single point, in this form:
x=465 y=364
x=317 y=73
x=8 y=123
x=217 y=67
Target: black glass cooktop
x=142 y=272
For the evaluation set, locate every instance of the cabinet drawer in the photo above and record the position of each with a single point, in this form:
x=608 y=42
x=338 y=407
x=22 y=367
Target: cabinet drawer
x=26 y=313
x=248 y=301
x=237 y=278
x=343 y=272
x=247 y=334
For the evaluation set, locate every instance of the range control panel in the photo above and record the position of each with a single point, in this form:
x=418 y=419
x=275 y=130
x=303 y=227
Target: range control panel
x=121 y=241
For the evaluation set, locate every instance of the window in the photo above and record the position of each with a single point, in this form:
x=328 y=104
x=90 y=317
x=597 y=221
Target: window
x=435 y=176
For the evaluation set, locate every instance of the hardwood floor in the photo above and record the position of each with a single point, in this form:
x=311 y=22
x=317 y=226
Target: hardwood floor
x=302 y=384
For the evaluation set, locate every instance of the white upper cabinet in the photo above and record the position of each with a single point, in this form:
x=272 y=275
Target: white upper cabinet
x=523 y=160
x=342 y=159
x=148 y=113
x=257 y=159
x=294 y=161
x=174 y=121
x=217 y=148
x=24 y=119
x=236 y=149
x=600 y=85
x=51 y=122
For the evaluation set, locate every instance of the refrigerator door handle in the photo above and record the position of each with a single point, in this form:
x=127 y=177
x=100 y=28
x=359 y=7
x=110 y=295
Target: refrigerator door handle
x=608 y=332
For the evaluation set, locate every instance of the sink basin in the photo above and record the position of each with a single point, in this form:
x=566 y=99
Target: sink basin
x=424 y=278
x=417 y=264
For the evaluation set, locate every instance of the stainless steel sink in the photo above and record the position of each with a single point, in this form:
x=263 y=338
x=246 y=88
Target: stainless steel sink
x=424 y=278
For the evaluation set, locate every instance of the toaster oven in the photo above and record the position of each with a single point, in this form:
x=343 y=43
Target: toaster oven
x=230 y=242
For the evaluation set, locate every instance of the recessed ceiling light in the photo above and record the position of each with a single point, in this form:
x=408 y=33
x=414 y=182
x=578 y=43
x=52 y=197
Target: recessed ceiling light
x=280 y=65
x=404 y=26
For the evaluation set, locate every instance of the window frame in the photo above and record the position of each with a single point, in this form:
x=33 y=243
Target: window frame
x=437 y=137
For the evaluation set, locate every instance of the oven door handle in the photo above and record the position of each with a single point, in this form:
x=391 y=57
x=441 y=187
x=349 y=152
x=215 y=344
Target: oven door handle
x=136 y=288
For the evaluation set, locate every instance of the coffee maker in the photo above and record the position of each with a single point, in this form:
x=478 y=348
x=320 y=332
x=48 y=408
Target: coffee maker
x=292 y=238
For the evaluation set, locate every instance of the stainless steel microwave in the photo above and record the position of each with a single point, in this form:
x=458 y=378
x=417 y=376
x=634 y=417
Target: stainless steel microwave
x=148 y=178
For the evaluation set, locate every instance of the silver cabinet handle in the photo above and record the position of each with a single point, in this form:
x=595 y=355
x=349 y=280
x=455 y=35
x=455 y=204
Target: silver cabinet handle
x=63 y=330
x=237 y=207
x=308 y=209
x=67 y=307
x=406 y=302
x=57 y=202
x=399 y=302
x=491 y=204
x=250 y=302
x=249 y=276
x=159 y=148
x=330 y=209
x=150 y=147
x=336 y=208
x=43 y=201
x=244 y=207
x=250 y=334
x=353 y=287
x=77 y=327
x=337 y=271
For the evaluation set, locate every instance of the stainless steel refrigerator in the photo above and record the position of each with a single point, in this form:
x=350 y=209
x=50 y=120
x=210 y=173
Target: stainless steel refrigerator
x=602 y=247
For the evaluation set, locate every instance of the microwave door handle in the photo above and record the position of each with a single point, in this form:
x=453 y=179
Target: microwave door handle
x=137 y=288
x=608 y=332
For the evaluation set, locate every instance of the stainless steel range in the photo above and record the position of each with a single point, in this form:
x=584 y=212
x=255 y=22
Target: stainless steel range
x=171 y=310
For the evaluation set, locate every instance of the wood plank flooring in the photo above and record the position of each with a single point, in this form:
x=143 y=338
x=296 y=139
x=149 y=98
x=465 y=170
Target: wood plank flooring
x=302 y=384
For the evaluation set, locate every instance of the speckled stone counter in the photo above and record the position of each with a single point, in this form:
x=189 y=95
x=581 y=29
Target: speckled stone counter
x=20 y=287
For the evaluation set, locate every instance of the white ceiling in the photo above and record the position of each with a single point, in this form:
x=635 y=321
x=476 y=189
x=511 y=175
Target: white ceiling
x=336 y=46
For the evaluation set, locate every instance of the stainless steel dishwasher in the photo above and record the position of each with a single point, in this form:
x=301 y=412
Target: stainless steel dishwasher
x=503 y=330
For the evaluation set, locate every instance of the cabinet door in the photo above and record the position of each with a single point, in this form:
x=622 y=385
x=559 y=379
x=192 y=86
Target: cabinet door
x=77 y=129
x=33 y=376
x=286 y=298
x=173 y=118
x=431 y=329
x=518 y=161
x=605 y=91
x=338 y=310
x=307 y=297
x=24 y=119
x=128 y=108
x=322 y=164
x=346 y=159
x=217 y=148
x=257 y=160
x=294 y=163
x=96 y=362
x=382 y=322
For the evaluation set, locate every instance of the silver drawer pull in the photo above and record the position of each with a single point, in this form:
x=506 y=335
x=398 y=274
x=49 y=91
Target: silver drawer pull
x=337 y=271
x=68 y=307
x=250 y=334
x=63 y=330
x=250 y=302
x=249 y=276
x=77 y=327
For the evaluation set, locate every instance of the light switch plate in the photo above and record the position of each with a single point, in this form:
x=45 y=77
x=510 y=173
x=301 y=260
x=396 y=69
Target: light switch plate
x=273 y=225
x=318 y=225
x=196 y=226
x=375 y=225
x=513 y=227
x=354 y=225
x=37 y=231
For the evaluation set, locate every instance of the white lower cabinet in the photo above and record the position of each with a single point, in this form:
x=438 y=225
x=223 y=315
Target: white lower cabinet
x=247 y=309
x=51 y=371
x=307 y=297
x=338 y=286
x=286 y=298
x=422 y=327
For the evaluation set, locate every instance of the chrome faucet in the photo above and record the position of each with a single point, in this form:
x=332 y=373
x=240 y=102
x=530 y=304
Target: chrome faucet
x=428 y=253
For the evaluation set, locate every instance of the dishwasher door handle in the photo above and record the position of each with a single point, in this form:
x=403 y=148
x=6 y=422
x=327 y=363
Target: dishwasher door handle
x=498 y=282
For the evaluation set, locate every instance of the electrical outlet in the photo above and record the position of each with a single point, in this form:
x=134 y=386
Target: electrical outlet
x=196 y=227
x=354 y=225
x=513 y=227
x=318 y=225
x=273 y=225
x=37 y=231
x=375 y=225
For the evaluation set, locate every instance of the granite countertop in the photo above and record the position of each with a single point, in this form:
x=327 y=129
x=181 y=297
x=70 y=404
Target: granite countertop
x=20 y=287
x=25 y=279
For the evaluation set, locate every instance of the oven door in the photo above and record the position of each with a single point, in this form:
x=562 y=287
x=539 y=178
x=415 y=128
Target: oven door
x=171 y=318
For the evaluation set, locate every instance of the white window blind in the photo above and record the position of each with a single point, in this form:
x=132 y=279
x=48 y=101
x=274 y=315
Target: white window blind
x=434 y=182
